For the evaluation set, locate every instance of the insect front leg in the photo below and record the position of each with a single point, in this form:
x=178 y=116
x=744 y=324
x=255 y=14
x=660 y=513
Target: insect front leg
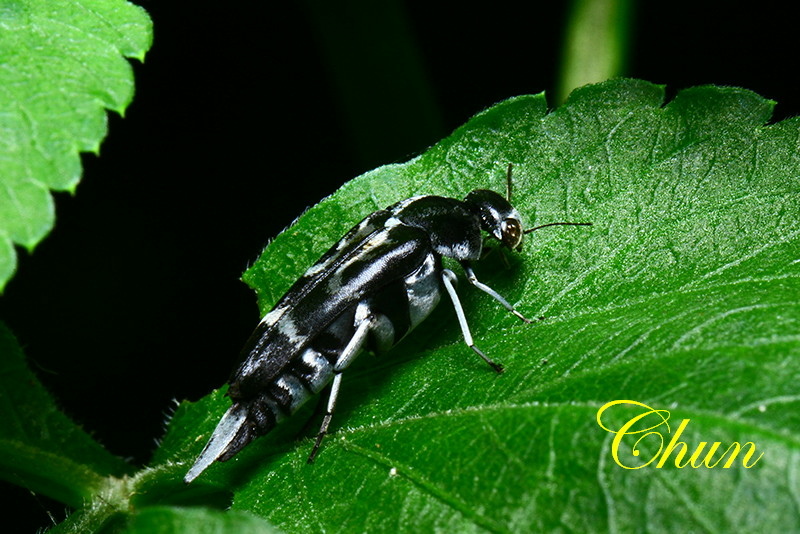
x=489 y=291
x=449 y=279
x=364 y=321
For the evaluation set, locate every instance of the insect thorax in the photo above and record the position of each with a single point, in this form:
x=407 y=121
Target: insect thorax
x=453 y=229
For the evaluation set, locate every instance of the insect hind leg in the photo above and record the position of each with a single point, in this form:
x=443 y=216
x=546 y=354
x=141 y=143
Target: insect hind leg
x=449 y=279
x=364 y=322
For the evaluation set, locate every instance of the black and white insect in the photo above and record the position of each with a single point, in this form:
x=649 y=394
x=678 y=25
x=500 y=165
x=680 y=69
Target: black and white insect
x=368 y=291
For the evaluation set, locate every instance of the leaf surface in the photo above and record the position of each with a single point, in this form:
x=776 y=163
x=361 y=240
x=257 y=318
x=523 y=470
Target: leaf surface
x=175 y=520
x=683 y=295
x=40 y=447
x=61 y=66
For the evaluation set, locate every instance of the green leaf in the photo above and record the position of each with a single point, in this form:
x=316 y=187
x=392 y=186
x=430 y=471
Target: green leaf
x=163 y=520
x=41 y=448
x=173 y=520
x=61 y=66
x=683 y=295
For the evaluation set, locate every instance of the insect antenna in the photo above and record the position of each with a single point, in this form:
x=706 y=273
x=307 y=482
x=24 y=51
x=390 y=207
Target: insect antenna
x=529 y=230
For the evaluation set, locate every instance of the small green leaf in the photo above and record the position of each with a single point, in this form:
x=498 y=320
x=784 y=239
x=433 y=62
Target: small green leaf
x=683 y=295
x=61 y=66
x=40 y=448
x=173 y=520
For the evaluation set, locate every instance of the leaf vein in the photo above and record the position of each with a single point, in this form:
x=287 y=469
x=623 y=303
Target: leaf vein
x=428 y=486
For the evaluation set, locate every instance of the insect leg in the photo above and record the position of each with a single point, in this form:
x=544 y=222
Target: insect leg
x=449 y=279
x=489 y=291
x=364 y=321
x=326 y=421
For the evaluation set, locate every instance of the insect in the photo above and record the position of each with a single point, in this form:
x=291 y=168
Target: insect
x=370 y=289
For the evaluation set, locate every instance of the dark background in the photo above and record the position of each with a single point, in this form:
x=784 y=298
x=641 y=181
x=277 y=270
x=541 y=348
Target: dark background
x=245 y=115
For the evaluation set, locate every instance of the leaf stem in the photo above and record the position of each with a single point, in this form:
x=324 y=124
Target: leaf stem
x=595 y=43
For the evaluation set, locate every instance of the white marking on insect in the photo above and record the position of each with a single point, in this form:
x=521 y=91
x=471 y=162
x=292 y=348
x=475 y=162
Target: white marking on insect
x=422 y=288
x=362 y=313
x=462 y=250
x=317 y=268
x=295 y=389
x=289 y=329
x=402 y=204
x=321 y=367
x=272 y=317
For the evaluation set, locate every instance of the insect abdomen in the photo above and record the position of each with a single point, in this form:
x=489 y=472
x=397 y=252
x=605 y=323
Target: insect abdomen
x=313 y=370
x=399 y=307
x=304 y=374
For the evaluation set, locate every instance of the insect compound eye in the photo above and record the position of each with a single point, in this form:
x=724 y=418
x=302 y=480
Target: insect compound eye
x=511 y=231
